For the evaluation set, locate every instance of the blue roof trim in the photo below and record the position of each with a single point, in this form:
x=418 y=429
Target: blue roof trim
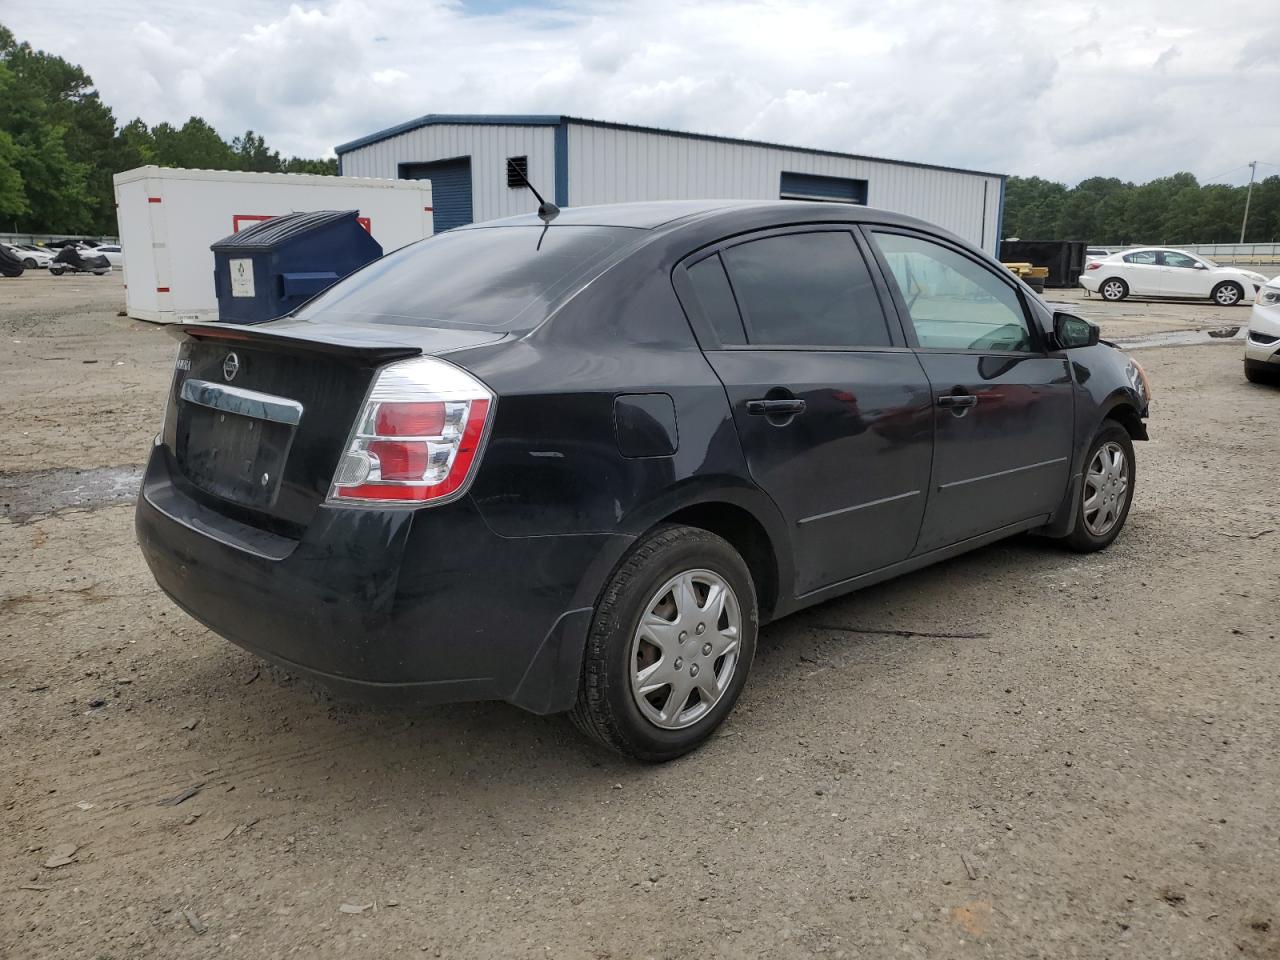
x=1000 y=218
x=462 y=119
x=562 y=164
x=550 y=120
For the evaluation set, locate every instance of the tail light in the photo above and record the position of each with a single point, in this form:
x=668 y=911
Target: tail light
x=1094 y=265
x=418 y=438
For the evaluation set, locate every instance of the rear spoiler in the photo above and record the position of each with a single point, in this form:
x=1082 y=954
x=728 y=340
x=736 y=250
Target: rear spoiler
x=312 y=338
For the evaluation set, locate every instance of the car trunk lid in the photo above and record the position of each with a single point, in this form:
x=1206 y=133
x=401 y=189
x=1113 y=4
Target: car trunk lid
x=259 y=417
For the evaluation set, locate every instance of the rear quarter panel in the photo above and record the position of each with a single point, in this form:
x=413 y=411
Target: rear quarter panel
x=553 y=466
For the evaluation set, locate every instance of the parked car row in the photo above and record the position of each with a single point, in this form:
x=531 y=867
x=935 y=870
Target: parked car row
x=35 y=257
x=1163 y=272
x=32 y=257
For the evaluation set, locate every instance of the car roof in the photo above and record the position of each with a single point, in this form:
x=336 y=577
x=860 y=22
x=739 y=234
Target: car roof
x=651 y=214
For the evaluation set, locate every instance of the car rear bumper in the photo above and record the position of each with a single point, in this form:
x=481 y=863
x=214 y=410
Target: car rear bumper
x=424 y=605
x=1089 y=281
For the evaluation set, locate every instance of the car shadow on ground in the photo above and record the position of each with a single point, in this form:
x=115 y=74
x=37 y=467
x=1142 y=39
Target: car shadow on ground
x=279 y=727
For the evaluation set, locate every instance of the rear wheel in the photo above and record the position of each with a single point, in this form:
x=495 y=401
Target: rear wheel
x=1107 y=490
x=56 y=271
x=1227 y=294
x=670 y=646
x=1113 y=289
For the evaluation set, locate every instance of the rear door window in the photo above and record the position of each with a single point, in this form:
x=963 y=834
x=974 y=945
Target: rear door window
x=711 y=287
x=806 y=289
x=1148 y=257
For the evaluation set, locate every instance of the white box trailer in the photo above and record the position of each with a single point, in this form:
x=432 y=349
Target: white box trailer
x=169 y=217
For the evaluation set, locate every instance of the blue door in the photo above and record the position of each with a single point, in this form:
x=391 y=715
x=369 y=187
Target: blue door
x=450 y=189
x=810 y=186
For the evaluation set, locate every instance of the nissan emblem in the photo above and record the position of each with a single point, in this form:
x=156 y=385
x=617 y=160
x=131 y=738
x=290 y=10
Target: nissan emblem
x=230 y=367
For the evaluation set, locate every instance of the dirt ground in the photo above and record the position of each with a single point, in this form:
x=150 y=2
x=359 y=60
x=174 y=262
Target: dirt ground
x=1019 y=753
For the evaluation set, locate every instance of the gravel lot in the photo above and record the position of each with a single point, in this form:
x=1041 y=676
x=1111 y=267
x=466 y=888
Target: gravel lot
x=1019 y=753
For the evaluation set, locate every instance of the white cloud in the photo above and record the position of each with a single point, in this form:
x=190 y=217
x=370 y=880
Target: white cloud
x=1065 y=91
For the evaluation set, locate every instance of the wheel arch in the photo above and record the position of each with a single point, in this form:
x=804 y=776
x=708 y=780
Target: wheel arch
x=1119 y=408
x=745 y=533
x=1122 y=410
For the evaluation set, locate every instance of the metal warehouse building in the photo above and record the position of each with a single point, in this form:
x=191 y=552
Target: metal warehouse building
x=580 y=162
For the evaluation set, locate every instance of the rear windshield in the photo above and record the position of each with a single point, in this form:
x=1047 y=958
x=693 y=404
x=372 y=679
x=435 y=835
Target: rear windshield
x=491 y=278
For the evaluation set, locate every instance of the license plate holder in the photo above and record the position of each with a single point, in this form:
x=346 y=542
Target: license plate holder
x=233 y=456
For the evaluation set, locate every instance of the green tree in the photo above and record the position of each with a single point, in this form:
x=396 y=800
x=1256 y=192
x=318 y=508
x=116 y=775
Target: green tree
x=253 y=154
x=35 y=122
x=1170 y=210
x=194 y=145
x=60 y=147
x=13 y=194
x=327 y=167
x=132 y=147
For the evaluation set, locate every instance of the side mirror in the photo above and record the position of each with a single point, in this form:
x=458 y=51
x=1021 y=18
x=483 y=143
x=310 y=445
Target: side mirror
x=1201 y=266
x=1071 y=331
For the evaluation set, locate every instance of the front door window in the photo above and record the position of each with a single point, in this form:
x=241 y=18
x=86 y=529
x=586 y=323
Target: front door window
x=953 y=302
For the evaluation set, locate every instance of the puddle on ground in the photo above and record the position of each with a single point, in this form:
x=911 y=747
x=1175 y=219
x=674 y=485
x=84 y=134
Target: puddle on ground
x=1182 y=338
x=24 y=495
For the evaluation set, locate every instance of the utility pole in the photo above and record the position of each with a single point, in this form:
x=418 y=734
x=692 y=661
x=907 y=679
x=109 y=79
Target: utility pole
x=1253 y=168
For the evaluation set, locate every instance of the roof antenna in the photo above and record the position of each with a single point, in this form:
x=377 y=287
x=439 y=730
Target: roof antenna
x=546 y=211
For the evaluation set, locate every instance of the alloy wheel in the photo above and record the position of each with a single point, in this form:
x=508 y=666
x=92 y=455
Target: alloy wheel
x=1106 y=487
x=685 y=650
x=1113 y=290
x=1227 y=295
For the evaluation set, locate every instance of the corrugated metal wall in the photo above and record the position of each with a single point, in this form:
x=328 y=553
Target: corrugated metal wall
x=607 y=165
x=487 y=145
x=614 y=166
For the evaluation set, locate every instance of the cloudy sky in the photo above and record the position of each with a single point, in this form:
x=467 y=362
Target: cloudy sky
x=1063 y=90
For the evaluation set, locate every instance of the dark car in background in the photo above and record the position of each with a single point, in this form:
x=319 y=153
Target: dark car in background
x=575 y=466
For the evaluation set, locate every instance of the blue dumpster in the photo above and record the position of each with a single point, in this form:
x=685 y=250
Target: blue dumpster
x=275 y=266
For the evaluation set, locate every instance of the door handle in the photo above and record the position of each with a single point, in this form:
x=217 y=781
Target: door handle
x=776 y=408
x=957 y=400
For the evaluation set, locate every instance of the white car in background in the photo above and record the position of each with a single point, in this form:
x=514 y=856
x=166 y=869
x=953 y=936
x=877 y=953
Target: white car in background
x=111 y=251
x=1262 y=342
x=1162 y=272
x=31 y=258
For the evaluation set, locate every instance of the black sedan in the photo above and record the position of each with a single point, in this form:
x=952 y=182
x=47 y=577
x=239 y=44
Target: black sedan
x=575 y=466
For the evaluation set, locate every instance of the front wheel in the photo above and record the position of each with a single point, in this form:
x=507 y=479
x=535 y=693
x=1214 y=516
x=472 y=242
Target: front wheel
x=670 y=646
x=1107 y=491
x=1227 y=294
x=56 y=271
x=30 y=263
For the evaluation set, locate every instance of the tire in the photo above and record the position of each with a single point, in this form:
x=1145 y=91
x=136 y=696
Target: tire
x=1092 y=531
x=56 y=271
x=1256 y=372
x=29 y=263
x=1227 y=294
x=652 y=726
x=1113 y=289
